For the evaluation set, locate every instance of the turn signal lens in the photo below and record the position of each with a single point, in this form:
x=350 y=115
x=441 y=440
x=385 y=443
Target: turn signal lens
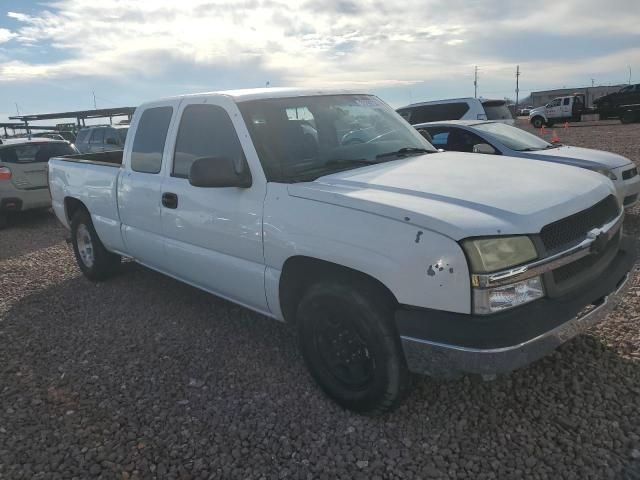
x=5 y=173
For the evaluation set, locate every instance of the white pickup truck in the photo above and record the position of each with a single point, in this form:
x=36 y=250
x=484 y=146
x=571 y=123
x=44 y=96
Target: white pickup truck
x=388 y=256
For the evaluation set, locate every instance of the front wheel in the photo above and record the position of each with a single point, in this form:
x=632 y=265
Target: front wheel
x=95 y=261
x=537 y=122
x=351 y=347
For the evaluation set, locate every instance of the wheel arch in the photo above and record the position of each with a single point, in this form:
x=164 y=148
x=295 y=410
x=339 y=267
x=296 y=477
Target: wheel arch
x=541 y=117
x=300 y=271
x=71 y=206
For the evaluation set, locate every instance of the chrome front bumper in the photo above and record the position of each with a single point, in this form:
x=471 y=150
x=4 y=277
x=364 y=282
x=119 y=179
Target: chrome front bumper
x=443 y=360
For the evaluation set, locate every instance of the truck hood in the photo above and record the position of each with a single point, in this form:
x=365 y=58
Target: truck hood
x=463 y=194
x=581 y=157
x=537 y=110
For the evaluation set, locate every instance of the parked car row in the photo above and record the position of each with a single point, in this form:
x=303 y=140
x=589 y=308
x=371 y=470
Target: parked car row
x=328 y=211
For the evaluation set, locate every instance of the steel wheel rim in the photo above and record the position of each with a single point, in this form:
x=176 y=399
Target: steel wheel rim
x=85 y=245
x=343 y=351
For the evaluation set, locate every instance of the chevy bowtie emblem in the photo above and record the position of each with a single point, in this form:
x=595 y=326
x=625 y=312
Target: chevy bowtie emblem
x=600 y=240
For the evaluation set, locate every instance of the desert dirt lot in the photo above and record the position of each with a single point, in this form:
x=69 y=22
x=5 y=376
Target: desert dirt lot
x=145 y=377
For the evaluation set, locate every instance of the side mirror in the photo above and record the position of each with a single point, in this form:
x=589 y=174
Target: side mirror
x=217 y=172
x=484 y=148
x=111 y=141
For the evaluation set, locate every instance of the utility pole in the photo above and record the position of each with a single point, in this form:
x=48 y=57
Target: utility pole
x=592 y=83
x=475 y=82
x=629 y=74
x=94 y=100
x=17 y=109
x=517 y=87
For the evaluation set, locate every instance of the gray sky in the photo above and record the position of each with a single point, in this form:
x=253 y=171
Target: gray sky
x=54 y=54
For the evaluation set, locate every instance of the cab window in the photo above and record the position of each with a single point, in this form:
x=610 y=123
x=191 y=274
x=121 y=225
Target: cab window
x=206 y=131
x=151 y=135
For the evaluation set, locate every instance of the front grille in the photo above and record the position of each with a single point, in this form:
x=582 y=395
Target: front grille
x=627 y=174
x=578 y=267
x=574 y=228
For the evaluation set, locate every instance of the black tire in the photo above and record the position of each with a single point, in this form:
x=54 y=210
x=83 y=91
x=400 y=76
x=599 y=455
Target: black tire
x=104 y=263
x=537 y=122
x=627 y=117
x=351 y=347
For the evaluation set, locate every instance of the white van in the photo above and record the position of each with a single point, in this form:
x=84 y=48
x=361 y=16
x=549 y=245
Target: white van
x=457 y=109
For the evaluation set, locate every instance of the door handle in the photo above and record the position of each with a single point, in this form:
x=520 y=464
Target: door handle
x=170 y=200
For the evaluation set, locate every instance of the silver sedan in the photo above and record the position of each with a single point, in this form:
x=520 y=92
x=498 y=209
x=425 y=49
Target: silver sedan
x=487 y=137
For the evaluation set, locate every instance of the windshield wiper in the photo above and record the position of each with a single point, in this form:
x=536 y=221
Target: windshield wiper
x=404 y=152
x=349 y=161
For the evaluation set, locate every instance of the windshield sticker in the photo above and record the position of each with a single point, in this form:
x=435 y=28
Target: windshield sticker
x=371 y=102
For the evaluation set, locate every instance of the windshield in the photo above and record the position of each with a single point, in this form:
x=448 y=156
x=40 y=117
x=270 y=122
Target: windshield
x=513 y=137
x=302 y=138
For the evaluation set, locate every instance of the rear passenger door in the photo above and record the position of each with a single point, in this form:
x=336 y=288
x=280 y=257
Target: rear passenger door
x=140 y=185
x=214 y=235
x=565 y=108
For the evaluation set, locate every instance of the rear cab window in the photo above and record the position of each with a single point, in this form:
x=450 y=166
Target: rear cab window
x=148 y=143
x=497 y=110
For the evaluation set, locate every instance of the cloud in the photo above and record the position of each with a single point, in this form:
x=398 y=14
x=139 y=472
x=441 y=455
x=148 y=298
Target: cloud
x=336 y=42
x=5 y=35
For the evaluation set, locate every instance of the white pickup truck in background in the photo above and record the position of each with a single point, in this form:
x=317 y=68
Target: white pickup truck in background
x=388 y=256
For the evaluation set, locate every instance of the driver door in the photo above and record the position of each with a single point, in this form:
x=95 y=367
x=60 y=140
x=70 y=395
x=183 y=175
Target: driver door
x=213 y=235
x=553 y=109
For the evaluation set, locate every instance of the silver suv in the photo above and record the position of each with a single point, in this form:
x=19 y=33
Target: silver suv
x=101 y=138
x=23 y=173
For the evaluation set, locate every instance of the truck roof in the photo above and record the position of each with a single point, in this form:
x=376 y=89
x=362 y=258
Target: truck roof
x=244 y=95
x=453 y=100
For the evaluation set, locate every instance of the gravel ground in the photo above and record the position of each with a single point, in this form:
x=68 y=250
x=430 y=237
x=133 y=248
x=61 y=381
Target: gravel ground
x=144 y=377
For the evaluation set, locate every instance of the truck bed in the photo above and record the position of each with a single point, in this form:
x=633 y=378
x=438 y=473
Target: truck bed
x=112 y=158
x=91 y=178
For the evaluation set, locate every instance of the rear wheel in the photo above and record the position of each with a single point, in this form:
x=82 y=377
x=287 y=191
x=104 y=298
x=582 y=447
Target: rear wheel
x=351 y=347
x=95 y=261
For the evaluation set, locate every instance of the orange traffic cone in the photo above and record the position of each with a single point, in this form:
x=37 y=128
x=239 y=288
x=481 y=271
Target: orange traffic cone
x=554 y=137
x=542 y=131
x=566 y=124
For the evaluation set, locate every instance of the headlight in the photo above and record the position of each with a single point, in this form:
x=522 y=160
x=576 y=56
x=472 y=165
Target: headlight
x=491 y=254
x=492 y=300
x=606 y=172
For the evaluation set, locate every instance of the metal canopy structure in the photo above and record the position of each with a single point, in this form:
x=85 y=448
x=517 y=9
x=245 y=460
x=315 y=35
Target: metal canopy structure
x=22 y=126
x=79 y=115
